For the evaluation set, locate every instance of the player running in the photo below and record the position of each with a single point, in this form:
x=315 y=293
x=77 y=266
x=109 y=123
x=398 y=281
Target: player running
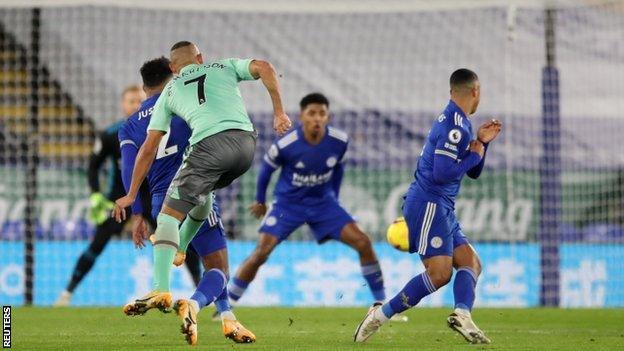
x=209 y=243
x=449 y=153
x=311 y=158
x=221 y=149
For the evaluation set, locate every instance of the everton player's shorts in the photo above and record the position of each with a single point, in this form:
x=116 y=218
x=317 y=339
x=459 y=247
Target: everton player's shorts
x=326 y=219
x=209 y=238
x=212 y=163
x=433 y=229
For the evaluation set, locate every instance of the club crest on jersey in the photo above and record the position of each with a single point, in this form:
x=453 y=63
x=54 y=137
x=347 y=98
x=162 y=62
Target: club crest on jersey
x=436 y=242
x=270 y=221
x=331 y=162
x=455 y=136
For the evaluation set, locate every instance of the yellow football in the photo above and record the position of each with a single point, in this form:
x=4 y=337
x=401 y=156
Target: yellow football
x=397 y=235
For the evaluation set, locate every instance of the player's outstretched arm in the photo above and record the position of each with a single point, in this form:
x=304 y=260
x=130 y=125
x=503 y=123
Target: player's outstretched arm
x=265 y=71
x=144 y=160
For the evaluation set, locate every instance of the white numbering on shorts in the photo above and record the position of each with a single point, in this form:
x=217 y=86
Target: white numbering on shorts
x=163 y=150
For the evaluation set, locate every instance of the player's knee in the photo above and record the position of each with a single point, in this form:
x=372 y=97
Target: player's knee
x=440 y=276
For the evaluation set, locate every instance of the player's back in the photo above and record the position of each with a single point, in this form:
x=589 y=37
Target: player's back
x=208 y=98
x=449 y=136
x=170 y=151
x=307 y=170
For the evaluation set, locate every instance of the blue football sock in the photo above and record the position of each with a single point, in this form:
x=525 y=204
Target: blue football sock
x=464 y=288
x=237 y=288
x=210 y=287
x=374 y=278
x=417 y=288
x=222 y=302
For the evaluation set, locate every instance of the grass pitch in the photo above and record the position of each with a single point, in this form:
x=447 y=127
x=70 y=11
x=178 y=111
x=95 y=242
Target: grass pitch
x=317 y=329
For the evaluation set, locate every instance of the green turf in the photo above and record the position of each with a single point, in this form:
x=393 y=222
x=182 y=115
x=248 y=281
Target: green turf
x=318 y=329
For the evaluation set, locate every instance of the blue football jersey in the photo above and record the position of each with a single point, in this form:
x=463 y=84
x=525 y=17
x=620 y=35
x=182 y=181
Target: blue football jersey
x=307 y=170
x=170 y=151
x=449 y=136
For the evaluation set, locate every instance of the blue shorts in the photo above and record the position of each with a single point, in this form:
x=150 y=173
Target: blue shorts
x=433 y=229
x=326 y=219
x=209 y=238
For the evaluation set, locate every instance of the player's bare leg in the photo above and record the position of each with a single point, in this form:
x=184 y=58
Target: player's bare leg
x=438 y=273
x=468 y=266
x=353 y=236
x=249 y=268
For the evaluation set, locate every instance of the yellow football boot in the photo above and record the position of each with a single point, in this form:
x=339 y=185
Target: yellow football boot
x=154 y=299
x=233 y=330
x=188 y=316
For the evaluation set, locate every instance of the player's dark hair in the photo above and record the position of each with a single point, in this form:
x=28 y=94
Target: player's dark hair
x=463 y=77
x=155 y=72
x=181 y=44
x=313 y=98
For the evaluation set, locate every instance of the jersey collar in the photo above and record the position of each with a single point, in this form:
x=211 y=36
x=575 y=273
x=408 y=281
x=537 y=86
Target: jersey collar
x=452 y=107
x=301 y=134
x=150 y=100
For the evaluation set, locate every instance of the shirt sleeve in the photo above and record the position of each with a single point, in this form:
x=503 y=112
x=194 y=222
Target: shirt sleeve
x=241 y=67
x=264 y=178
x=475 y=171
x=451 y=141
x=161 y=115
x=337 y=178
x=273 y=157
x=129 y=150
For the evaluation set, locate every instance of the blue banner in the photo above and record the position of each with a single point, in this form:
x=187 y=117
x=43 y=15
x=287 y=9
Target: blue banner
x=592 y=275
x=307 y=274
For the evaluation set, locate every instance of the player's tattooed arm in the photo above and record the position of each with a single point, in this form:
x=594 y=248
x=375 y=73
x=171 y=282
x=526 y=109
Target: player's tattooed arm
x=265 y=71
x=144 y=160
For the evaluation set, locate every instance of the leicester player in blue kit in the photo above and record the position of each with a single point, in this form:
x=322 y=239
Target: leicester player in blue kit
x=209 y=243
x=311 y=161
x=434 y=232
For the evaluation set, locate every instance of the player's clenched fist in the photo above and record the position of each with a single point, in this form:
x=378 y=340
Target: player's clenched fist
x=477 y=146
x=489 y=130
x=258 y=210
x=281 y=123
